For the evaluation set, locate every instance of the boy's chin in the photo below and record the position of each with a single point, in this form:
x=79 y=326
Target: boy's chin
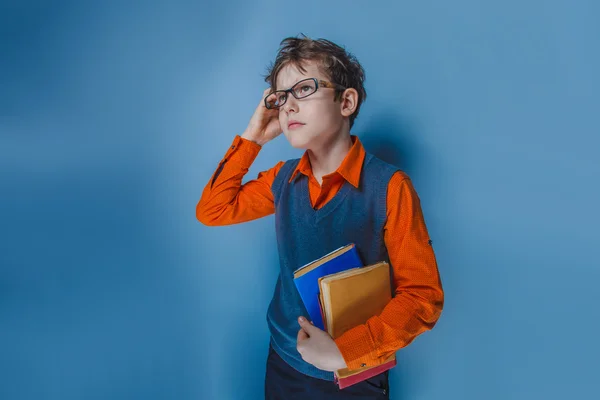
x=299 y=140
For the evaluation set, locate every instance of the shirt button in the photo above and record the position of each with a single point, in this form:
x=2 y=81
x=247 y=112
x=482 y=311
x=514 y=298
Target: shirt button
x=233 y=147
x=363 y=365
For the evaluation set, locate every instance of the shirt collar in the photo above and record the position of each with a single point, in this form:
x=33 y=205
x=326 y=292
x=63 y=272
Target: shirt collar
x=349 y=169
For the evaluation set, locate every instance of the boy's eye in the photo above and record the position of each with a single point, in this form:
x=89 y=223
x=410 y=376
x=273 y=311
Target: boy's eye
x=303 y=90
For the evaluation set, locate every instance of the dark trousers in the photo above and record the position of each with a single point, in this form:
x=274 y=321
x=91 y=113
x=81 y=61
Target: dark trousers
x=282 y=382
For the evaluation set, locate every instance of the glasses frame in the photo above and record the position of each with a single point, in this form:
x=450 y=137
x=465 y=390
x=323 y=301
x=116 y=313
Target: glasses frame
x=318 y=82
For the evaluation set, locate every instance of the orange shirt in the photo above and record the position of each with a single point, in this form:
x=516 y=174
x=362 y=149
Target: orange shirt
x=419 y=297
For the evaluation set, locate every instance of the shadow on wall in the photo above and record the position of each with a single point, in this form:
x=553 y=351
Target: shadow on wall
x=395 y=140
x=392 y=139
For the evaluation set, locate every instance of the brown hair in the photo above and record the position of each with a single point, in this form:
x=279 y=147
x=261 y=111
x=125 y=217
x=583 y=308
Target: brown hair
x=339 y=65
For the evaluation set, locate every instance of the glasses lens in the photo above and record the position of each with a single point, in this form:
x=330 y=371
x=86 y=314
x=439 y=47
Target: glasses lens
x=276 y=99
x=305 y=88
x=301 y=89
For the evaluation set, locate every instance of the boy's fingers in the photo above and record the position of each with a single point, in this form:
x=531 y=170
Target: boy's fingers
x=302 y=335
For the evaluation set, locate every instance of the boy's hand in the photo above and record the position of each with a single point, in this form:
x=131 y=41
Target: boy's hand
x=318 y=348
x=264 y=124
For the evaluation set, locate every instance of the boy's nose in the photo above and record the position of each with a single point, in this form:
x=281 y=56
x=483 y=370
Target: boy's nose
x=290 y=104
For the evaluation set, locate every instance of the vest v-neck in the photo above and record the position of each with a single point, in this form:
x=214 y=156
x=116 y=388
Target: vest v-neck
x=327 y=207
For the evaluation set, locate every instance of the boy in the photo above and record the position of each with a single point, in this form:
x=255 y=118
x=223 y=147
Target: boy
x=335 y=194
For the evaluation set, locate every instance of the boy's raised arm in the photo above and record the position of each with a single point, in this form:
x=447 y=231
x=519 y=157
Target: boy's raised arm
x=225 y=200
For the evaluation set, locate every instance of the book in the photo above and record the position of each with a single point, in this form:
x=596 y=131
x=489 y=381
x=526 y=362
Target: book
x=306 y=278
x=349 y=298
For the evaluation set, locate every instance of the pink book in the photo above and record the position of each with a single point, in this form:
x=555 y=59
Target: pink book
x=366 y=374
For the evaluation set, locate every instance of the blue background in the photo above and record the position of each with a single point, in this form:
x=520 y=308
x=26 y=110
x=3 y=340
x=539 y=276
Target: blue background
x=113 y=117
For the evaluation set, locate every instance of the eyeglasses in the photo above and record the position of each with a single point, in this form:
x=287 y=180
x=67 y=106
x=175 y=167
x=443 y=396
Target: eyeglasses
x=300 y=90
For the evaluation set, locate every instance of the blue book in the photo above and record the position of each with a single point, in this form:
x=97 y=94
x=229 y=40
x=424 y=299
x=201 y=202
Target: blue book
x=307 y=277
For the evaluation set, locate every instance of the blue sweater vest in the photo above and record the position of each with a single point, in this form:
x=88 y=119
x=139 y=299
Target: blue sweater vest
x=354 y=215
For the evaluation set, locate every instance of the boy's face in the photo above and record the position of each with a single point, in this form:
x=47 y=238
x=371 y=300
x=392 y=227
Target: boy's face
x=321 y=116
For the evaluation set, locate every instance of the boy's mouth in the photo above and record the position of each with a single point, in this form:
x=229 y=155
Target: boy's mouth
x=294 y=124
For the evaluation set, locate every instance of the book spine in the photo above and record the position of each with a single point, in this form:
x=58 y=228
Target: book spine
x=323 y=315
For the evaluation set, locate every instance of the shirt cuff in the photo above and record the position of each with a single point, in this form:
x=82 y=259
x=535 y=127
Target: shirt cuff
x=242 y=151
x=357 y=348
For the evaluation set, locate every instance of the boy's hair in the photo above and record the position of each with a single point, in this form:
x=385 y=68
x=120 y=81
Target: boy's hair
x=335 y=62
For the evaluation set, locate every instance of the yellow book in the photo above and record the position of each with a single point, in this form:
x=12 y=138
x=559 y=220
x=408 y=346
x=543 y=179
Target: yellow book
x=349 y=298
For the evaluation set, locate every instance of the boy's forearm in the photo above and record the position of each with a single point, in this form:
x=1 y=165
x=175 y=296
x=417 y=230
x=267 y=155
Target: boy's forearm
x=407 y=316
x=224 y=185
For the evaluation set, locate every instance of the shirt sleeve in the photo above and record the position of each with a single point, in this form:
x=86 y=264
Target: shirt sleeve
x=418 y=299
x=225 y=201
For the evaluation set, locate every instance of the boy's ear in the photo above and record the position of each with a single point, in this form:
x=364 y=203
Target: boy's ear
x=349 y=102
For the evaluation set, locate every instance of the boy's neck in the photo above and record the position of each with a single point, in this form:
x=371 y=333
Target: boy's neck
x=328 y=158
